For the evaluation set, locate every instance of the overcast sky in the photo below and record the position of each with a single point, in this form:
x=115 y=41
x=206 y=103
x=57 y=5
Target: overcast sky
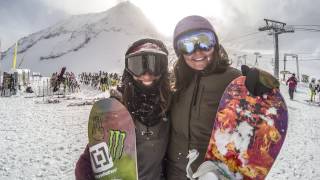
x=231 y=18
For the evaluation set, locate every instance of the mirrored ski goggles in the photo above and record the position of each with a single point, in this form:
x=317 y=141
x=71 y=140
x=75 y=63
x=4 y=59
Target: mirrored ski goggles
x=190 y=42
x=153 y=63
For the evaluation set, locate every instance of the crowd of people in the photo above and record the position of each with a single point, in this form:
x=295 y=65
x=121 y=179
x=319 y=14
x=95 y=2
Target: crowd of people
x=314 y=88
x=67 y=80
x=102 y=80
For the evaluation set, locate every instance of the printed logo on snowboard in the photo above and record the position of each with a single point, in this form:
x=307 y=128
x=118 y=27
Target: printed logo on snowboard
x=100 y=158
x=116 y=143
x=103 y=155
x=97 y=130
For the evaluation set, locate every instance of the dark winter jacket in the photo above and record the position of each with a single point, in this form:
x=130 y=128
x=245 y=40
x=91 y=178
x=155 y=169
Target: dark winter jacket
x=151 y=144
x=192 y=115
x=83 y=169
x=292 y=82
x=152 y=132
x=151 y=149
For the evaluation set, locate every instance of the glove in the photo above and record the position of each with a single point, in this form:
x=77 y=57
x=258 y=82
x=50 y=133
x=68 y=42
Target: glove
x=208 y=170
x=259 y=82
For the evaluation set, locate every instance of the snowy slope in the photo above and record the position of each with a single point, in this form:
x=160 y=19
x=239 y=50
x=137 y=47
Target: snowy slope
x=40 y=141
x=299 y=158
x=89 y=42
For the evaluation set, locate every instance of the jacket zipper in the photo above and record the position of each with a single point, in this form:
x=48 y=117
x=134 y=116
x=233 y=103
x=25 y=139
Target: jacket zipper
x=193 y=103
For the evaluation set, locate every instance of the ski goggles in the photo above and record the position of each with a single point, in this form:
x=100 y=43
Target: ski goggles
x=203 y=40
x=154 y=63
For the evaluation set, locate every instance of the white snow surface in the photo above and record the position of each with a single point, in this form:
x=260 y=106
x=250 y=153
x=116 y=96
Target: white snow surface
x=43 y=141
x=40 y=141
x=241 y=138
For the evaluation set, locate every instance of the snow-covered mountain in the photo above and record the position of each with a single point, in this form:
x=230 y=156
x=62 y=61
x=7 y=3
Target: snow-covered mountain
x=89 y=42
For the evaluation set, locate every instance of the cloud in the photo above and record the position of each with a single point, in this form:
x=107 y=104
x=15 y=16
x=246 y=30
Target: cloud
x=245 y=17
x=21 y=17
x=237 y=18
x=82 y=6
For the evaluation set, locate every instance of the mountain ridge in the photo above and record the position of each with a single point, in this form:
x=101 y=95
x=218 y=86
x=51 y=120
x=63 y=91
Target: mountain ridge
x=72 y=40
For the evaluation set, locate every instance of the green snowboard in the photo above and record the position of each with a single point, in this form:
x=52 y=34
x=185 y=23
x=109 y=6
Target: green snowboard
x=112 y=141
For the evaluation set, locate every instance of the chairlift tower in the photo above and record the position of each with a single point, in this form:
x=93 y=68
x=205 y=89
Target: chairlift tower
x=258 y=55
x=297 y=63
x=275 y=28
x=245 y=59
x=239 y=61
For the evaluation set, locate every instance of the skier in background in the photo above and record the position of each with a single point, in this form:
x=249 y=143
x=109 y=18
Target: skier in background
x=318 y=89
x=312 y=87
x=292 y=83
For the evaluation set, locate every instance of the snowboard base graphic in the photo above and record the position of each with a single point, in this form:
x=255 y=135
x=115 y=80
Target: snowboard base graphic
x=112 y=141
x=248 y=132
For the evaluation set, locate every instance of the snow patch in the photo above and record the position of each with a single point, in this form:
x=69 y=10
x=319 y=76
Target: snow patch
x=272 y=111
x=269 y=121
x=240 y=137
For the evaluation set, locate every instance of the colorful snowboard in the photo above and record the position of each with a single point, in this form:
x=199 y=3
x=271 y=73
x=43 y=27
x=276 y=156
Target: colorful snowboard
x=112 y=141
x=248 y=132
